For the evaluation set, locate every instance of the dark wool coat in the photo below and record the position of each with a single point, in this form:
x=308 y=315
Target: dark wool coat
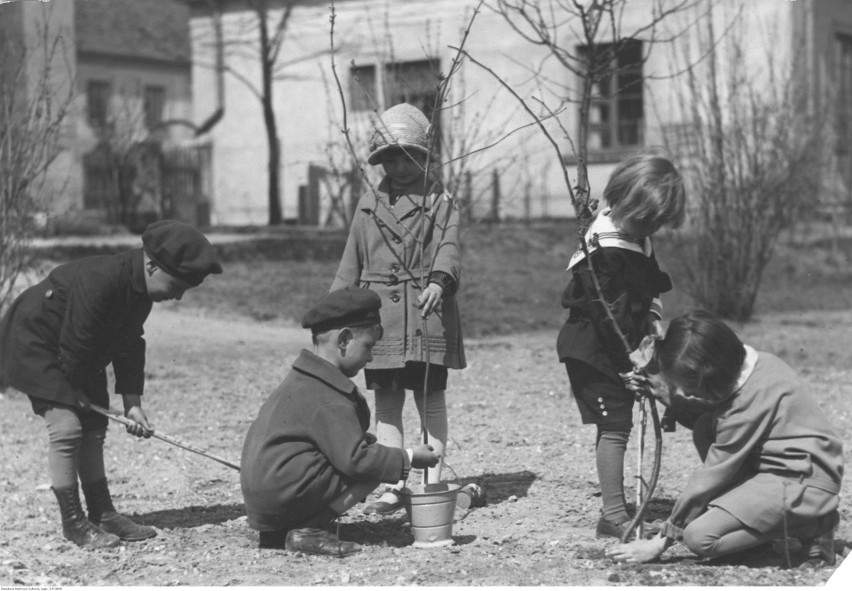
x=60 y=334
x=383 y=253
x=308 y=445
x=775 y=456
x=631 y=281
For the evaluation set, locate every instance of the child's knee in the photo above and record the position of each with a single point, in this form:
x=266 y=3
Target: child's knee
x=699 y=541
x=389 y=404
x=63 y=426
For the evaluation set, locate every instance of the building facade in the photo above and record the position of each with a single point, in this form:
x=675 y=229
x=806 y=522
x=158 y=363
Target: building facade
x=128 y=153
x=389 y=51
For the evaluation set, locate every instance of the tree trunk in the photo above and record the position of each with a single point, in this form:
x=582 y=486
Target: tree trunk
x=274 y=169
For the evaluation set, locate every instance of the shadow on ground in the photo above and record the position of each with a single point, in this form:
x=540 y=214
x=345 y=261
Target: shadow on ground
x=193 y=516
x=499 y=487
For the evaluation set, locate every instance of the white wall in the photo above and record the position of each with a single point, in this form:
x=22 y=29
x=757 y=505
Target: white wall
x=307 y=103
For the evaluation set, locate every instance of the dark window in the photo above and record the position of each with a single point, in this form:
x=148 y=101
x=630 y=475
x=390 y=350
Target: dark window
x=843 y=49
x=97 y=97
x=616 y=112
x=415 y=83
x=155 y=100
x=362 y=88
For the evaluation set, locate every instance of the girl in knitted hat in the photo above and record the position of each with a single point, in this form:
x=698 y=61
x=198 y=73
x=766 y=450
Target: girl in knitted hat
x=404 y=245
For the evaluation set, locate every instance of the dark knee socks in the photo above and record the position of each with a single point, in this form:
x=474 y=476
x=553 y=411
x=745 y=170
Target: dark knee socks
x=609 y=453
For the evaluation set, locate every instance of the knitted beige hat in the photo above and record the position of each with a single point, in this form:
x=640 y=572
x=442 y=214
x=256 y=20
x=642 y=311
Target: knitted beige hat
x=402 y=125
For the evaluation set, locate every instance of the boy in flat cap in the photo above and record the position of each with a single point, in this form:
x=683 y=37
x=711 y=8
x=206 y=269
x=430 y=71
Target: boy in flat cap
x=56 y=340
x=308 y=456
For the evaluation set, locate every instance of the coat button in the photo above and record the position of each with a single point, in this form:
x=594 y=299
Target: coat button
x=418 y=333
x=394 y=268
x=48 y=294
x=393 y=280
x=397 y=239
x=394 y=297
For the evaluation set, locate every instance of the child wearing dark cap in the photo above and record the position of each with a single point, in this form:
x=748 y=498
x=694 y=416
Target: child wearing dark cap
x=56 y=340
x=308 y=457
x=404 y=243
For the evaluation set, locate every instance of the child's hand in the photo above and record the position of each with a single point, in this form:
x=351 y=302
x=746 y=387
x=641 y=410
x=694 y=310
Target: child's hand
x=655 y=327
x=641 y=383
x=424 y=456
x=638 y=551
x=430 y=299
x=141 y=428
x=634 y=381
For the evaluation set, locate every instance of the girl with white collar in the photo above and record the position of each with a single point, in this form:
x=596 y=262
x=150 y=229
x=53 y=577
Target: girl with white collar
x=772 y=464
x=645 y=192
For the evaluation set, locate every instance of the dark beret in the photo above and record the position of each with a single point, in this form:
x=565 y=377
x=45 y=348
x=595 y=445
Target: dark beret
x=180 y=250
x=350 y=306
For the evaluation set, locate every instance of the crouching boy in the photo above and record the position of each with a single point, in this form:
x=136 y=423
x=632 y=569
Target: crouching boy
x=308 y=456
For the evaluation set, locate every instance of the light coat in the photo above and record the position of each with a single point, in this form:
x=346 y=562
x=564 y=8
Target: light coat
x=384 y=253
x=775 y=456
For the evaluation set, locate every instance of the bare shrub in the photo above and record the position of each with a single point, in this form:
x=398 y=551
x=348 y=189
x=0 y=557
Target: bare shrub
x=753 y=152
x=35 y=96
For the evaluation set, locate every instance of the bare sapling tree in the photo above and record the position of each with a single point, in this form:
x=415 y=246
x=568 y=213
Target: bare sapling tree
x=754 y=151
x=466 y=161
x=590 y=41
x=438 y=225
x=36 y=95
x=342 y=180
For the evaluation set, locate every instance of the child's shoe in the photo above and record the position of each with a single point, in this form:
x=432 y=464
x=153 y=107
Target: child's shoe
x=610 y=529
x=274 y=540
x=75 y=527
x=311 y=540
x=389 y=502
x=125 y=528
x=820 y=549
x=103 y=514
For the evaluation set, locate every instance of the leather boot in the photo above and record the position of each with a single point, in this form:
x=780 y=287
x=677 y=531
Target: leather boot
x=102 y=513
x=820 y=548
x=75 y=527
x=312 y=540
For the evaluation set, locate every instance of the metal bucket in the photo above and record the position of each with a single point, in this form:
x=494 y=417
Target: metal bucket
x=430 y=509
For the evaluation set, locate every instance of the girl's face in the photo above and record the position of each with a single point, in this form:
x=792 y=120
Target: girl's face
x=404 y=168
x=689 y=383
x=637 y=228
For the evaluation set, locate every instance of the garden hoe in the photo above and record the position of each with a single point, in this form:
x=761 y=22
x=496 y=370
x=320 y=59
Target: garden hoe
x=127 y=422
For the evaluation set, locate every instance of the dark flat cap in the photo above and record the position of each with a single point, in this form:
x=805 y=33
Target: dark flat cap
x=350 y=306
x=180 y=250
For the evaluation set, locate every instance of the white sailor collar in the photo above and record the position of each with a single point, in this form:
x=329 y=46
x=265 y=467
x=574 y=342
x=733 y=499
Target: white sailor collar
x=748 y=367
x=603 y=233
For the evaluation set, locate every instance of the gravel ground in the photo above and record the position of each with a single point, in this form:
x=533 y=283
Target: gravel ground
x=514 y=429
